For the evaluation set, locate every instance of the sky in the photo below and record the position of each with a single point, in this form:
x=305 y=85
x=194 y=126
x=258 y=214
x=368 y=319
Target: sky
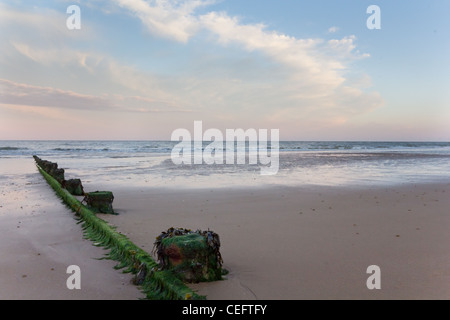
x=140 y=69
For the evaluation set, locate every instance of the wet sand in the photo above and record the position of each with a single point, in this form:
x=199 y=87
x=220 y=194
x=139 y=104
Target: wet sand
x=39 y=239
x=308 y=242
x=277 y=242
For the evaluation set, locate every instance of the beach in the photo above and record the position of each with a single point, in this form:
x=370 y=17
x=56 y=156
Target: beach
x=287 y=240
x=308 y=243
x=40 y=239
x=311 y=137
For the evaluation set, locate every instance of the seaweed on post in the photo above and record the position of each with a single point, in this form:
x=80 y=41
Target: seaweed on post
x=155 y=283
x=193 y=256
x=100 y=201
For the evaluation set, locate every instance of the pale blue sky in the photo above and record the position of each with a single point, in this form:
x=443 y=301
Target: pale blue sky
x=140 y=69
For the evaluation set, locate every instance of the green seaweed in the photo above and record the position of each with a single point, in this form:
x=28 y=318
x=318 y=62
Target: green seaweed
x=100 y=201
x=74 y=186
x=156 y=284
x=193 y=256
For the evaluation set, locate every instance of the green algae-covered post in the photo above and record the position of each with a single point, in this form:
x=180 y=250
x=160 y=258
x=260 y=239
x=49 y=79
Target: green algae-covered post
x=100 y=201
x=51 y=168
x=57 y=173
x=74 y=186
x=192 y=256
x=155 y=283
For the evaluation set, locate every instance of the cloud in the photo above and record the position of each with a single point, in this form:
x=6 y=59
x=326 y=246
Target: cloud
x=59 y=56
x=301 y=55
x=20 y=94
x=265 y=77
x=25 y=94
x=333 y=29
x=49 y=24
x=172 y=19
x=312 y=68
x=177 y=20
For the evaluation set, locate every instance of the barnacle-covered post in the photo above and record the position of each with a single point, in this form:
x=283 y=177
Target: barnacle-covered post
x=193 y=255
x=74 y=186
x=100 y=201
x=51 y=168
x=155 y=283
x=58 y=174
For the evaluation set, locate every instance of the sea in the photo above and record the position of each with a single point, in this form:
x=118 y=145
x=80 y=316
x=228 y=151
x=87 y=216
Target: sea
x=150 y=163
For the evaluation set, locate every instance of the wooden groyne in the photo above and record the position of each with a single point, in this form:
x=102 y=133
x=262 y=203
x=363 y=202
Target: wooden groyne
x=155 y=283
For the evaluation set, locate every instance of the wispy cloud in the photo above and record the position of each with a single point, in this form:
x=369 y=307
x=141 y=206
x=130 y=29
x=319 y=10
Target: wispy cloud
x=177 y=20
x=25 y=94
x=292 y=80
x=333 y=29
x=172 y=19
x=21 y=94
x=315 y=68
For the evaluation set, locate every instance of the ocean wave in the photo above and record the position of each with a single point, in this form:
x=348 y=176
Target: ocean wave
x=78 y=149
x=12 y=148
x=336 y=147
x=354 y=145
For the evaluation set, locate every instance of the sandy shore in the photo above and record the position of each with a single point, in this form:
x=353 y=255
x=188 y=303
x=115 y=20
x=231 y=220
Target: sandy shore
x=39 y=239
x=277 y=242
x=308 y=242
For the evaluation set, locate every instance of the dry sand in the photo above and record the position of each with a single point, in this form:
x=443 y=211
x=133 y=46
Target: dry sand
x=277 y=242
